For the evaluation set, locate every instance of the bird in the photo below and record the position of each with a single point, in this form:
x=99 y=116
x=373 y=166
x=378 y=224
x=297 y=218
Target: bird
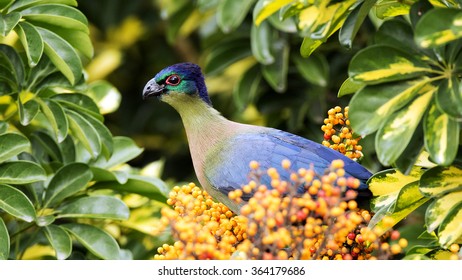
x=222 y=149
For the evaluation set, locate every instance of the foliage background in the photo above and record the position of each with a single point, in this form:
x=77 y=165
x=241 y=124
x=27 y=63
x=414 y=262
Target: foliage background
x=286 y=74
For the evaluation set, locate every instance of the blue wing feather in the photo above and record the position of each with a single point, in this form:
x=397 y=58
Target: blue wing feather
x=228 y=168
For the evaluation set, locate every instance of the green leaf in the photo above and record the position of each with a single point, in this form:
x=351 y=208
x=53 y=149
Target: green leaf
x=101 y=174
x=261 y=38
x=105 y=95
x=4 y=241
x=28 y=111
x=62 y=54
x=231 y=13
x=5 y=3
x=48 y=144
x=409 y=157
x=125 y=149
x=60 y=240
x=54 y=112
x=449 y=97
x=450 y=229
x=95 y=207
x=247 y=87
x=67 y=181
x=79 y=103
x=31 y=41
x=396 y=33
x=437 y=27
x=440 y=208
x=150 y=187
x=396 y=132
x=8 y=22
x=43 y=221
x=67 y=148
x=315 y=69
x=11 y=145
x=264 y=9
x=103 y=133
x=80 y=40
x=276 y=73
x=57 y=14
x=182 y=12
x=349 y=86
x=83 y=130
x=95 y=240
x=382 y=101
x=441 y=136
x=23 y=4
x=21 y=172
x=353 y=22
x=440 y=180
x=16 y=203
x=226 y=53
x=10 y=59
x=381 y=63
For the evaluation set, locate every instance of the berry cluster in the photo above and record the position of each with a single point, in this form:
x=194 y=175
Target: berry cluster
x=338 y=134
x=276 y=222
x=203 y=228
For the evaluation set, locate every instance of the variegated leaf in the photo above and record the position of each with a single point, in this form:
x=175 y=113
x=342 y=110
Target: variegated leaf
x=391 y=8
x=264 y=9
x=440 y=180
x=441 y=136
x=439 y=209
x=438 y=27
x=382 y=100
x=395 y=134
x=389 y=64
x=409 y=199
x=390 y=181
x=449 y=97
x=450 y=229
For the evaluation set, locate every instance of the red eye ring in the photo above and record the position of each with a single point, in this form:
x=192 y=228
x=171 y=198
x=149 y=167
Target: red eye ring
x=173 y=80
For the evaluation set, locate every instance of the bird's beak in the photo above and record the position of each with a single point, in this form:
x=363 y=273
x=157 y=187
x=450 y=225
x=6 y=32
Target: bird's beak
x=152 y=89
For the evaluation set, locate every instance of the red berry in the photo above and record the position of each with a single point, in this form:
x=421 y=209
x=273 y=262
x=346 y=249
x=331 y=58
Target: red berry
x=327 y=137
x=395 y=235
x=301 y=215
x=351 y=236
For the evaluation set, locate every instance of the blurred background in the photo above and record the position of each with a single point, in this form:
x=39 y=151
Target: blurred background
x=253 y=76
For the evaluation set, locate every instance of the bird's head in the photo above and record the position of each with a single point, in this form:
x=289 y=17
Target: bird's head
x=177 y=80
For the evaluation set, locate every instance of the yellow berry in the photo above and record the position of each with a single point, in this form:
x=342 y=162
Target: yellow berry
x=254 y=165
x=286 y=164
x=403 y=243
x=454 y=248
x=395 y=249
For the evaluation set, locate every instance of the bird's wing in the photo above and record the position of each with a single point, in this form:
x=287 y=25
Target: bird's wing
x=227 y=168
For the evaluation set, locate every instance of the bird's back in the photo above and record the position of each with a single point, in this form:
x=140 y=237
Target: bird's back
x=227 y=166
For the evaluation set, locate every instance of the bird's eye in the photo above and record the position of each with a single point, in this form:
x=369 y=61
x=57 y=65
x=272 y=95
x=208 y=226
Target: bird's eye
x=173 y=80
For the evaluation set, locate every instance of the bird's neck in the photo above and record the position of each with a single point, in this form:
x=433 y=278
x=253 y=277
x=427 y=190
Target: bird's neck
x=197 y=116
x=205 y=128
